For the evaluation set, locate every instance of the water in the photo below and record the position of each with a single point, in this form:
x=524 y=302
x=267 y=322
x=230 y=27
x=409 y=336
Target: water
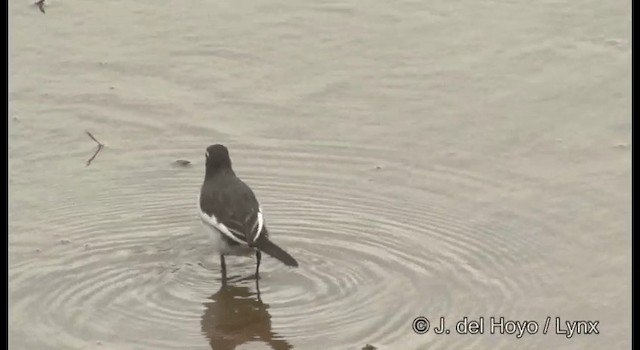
x=440 y=159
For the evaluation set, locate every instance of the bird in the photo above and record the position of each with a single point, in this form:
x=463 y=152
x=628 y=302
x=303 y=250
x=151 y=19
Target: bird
x=232 y=215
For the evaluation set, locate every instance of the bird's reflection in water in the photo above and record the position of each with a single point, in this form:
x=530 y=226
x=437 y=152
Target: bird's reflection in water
x=236 y=315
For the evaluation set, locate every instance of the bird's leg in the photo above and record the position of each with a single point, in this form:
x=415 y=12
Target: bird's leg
x=258 y=290
x=258 y=256
x=223 y=267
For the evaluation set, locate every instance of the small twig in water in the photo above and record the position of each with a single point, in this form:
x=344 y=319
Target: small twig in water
x=94 y=155
x=40 y=4
x=93 y=138
x=100 y=145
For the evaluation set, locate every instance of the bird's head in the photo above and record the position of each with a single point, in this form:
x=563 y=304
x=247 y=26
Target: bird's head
x=217 y=157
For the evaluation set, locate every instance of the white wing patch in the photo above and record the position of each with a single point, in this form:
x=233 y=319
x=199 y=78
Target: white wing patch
x=213 y=221
x=260 y=224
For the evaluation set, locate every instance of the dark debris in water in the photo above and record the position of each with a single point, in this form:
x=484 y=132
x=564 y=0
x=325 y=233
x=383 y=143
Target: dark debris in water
x=40 y=4
x=182 y=162
x=65 y=241
x=369 y=347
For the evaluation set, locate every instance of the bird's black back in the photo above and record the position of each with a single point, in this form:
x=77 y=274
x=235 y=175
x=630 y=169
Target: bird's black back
x=230 y=200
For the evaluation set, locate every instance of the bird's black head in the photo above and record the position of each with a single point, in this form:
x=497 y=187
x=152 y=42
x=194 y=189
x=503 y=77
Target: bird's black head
x=217 y=159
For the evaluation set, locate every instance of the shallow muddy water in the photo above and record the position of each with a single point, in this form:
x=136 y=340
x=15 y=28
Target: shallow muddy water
x=441 y=159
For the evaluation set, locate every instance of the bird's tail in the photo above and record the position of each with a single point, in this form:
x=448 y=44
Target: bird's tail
x=273 y=250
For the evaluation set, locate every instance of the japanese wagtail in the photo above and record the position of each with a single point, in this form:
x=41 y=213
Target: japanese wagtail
x=232 y=215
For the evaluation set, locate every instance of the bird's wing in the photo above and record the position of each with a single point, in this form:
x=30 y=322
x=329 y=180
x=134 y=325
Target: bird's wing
x=233 y=210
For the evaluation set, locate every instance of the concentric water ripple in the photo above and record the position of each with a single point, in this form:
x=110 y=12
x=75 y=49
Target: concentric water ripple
x=371 y=258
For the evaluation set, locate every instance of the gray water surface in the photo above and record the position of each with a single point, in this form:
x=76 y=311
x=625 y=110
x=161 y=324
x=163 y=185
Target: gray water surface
x=440 y=158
